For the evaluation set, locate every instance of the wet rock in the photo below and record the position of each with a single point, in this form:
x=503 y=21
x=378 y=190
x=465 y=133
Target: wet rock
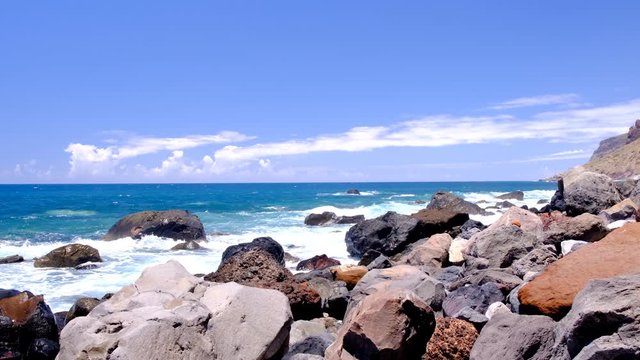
x=264 y=243
x=82 y=307
x=353 y=192
x=87 y=266
x=388 y=324
x=317 y=262
x=350 y=274
x=451 y=340
x=514 y=195
x=172 y=224
x=586 y=227
x=258 y=268
x=536 y=260
x=11 y=259
x=68 y=256
x=189 y=245
x=552 y=292
x=510 y=336
x=354 y=219
x=446 y=200
x=589 y=193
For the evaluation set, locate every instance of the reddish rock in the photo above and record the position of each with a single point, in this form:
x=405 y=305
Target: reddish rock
x=586 y=227
x=317 y=262
x=553 y=291
x=260 y=269
x=453 y=339
x=20 y=307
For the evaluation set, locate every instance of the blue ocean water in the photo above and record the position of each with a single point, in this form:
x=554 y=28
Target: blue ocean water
x=35 y=219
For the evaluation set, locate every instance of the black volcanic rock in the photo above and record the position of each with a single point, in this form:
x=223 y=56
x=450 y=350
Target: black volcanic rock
x=172 y=224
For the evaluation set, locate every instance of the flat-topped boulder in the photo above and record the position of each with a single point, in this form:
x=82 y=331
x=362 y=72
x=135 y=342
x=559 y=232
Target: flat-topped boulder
x=552 y=292
x=441 y=220
x=70 y=255
x=445 y=200
x=171 y=224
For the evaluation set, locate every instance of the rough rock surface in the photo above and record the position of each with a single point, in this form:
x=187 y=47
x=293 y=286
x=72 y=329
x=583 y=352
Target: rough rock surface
x=586 y=227
x=392 y=324
x=451 y=340
x=447 y=201
x=502 y=278
x=389 y=234
x=626 y=209
x=433 y=251
x=172 y=224
x=456 y=250
x=536 y=260
x=400 y=277
x=350 y=274
x=510 y=336
x=591 y=193
x=70 y=255
x=170 y=314
x=441 y=220
x=334 y=295
x=500 y=246
x=317 y=262
x=524 y=219
x=82 y=307
x=476 y=297
x=258 y=268
x=263 y=243
x=553 y=291
x=514 y=195
x=11 y=259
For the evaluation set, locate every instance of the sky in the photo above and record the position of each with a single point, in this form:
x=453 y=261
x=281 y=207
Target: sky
x=300 y=91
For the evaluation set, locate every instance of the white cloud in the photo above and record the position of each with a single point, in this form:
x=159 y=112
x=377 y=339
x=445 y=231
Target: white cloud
x=542 y=100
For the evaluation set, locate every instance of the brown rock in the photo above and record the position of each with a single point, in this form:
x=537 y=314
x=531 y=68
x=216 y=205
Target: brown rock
x=317 y=262
x=553 y=291
x=452 y=340
x=432 y=252
x=172 y=224
x=19 y=307
x=350 y=274
x=385 y=325
x=259 y=268
x=70 y=255
x=441 y=220
x=585 y=227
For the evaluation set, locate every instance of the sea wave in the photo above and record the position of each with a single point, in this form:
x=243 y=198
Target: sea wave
x=70 y=213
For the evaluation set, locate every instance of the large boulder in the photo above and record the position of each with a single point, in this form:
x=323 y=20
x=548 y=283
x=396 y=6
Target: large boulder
x=172 y=224
x=514 y=195
x=258 y=268
x=431 y=252
x=447 y=201
x=386 y=325
x=590 y=193
x=624 y=210
x=535 y=261
x=586 y=227
x=451 y=340
x=389 y=234
x=552 y=292
x=511 y=336
x=169 y=314
x=70 y=255
x=524 y=219
x=317 y=262
x=475 y=297
x=267 y=244
x=499 y=247
x=400 y=277
x=603 y=323
x=441 y=220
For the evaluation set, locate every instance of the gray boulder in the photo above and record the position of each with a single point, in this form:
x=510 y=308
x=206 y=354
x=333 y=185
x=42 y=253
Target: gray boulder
x=475 y=297
x=334 y=295
x=514 y=195
x=172 y=224
x=590 y=193
x=536 y=261
x=447 y=201
x=586 y=227
x=502 y=278
x=499 y=246
x=328 y=218
x=511 y=336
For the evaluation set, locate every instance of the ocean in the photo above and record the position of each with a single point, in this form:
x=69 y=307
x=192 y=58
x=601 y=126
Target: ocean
x=35 y=219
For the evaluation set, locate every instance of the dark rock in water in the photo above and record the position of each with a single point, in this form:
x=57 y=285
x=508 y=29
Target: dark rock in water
x=590 y=193
x=306 y=276
x=70 y=255
x=189 y=245
x=317 y=262
x=452 y=340
x=511 y=336
x=420 y=202
x=542 y=202
x=476 y=297
x=265 y=243
x=445 y=200
x=290 y=258
x=328 y=218
x=355 y=219
x=86 y=266
x=353 y=192
x=43 y=349
x=388 y=234
x=514 y=195
x=258 y=268
x=11 y=259
x=505 y=205
x=172 y=224
x=334 y=294
x=603 y=322
x=82 y=307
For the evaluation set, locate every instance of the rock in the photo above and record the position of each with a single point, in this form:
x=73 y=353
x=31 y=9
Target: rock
x=625 y=187
x=265 y=243
x=334 y=296
x=586 y=227
x=553 y=291
x=381 y=262
x=510 y=336
x=536 y=260
x=354 y=219
x=368 y=257
x=290 y=258
x=514 y=195
x=624 y=210
x=392 y=324
x=43 y=349
x=589 y=193
x=496 y=308
x=470 y=228
x=451 y=340
x=11 y=259
x=504 y=205
x=86 y=266
x=473 y=317
x=60 y=317
x=314 y=346
x=603 y=323
x=350 y=274
x=502 y=278
x=476 y=297
x=189 y=245
x=542 y=201
x=500 y=246
x=400 y=277
x=82 y=307
x=68 y=256
x=303 y=329
x=353 y=192
x=172 y=224
x=568 y=246
x=258 y=268
x=447 y=275
x=326 y=217
x=389 y=234
x=169 y=314
x=317 y=262
x=433 y=251
x=456 y=250
x=446 y=200
x=306 y=276
x=441 y=220
x=524 y=219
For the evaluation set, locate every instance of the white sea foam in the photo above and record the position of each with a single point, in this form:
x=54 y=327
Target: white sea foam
x=70 y=213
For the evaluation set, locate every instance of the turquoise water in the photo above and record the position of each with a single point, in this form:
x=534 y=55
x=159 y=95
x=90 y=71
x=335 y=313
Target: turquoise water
x=34 y=219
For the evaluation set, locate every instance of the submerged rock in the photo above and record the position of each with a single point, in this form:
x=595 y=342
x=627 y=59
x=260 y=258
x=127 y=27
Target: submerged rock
x=70 y=255
x=189 y=245
x=172 y=224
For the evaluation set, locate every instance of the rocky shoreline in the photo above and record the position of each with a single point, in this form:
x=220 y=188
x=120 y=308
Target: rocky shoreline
x=562 y=282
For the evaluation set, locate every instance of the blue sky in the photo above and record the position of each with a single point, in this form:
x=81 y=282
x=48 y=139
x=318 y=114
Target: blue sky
x=212 y=91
